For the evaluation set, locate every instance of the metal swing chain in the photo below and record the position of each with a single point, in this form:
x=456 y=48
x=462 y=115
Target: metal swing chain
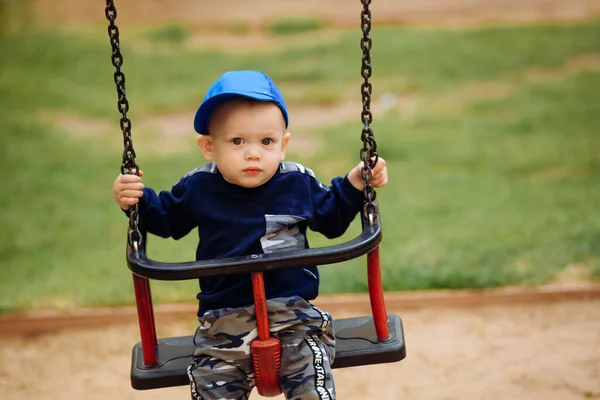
x=368 y=153
x=129 y=164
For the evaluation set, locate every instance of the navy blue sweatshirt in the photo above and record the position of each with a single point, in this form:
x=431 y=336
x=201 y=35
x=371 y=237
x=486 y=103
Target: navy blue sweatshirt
x=237 y=221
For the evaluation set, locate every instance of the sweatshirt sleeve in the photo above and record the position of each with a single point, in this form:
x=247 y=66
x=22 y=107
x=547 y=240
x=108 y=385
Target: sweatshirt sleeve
x=334 y=207
x=167 y=214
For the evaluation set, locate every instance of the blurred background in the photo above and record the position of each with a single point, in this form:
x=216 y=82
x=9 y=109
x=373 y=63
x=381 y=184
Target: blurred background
x=486 y=111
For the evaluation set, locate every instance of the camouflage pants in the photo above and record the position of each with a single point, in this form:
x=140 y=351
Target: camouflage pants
x=222 y=364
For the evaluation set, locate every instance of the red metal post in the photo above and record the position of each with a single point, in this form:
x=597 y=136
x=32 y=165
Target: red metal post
x=143 y=299
x=376 y=295
x=266 y=350
x=260 y=306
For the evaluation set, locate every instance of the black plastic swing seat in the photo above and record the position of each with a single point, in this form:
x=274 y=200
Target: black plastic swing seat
x=356 y=345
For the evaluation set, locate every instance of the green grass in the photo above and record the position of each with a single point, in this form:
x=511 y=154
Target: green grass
x=482 y=202
x=498 y=192
x=173 y=34
x=295 y=25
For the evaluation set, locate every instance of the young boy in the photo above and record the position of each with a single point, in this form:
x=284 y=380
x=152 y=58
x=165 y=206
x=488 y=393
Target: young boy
x=247 y=200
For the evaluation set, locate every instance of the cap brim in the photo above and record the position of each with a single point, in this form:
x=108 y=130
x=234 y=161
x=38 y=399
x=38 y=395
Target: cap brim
x=205 y=110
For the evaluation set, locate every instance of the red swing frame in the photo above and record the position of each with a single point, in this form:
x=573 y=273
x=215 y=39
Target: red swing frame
x=163 y=362
x=266 y=366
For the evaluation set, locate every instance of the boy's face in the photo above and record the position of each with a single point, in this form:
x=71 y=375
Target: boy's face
x=247 y=141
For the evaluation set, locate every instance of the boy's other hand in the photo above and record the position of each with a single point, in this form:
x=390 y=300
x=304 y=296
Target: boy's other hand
x=127 y=190
x=379 y=177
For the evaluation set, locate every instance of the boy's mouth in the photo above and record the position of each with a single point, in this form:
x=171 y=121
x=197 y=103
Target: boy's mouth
x=252 y=170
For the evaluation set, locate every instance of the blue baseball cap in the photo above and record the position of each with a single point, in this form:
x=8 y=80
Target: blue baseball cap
x=251 y=84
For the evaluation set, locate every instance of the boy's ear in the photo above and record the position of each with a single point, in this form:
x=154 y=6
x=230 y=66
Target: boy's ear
x=205 y=143
x=284 y=145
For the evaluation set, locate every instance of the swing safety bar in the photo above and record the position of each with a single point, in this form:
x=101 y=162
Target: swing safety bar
x=142 y=266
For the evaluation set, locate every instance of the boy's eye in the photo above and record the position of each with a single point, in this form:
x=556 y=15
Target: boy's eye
x=267 y=142
x=237 y=141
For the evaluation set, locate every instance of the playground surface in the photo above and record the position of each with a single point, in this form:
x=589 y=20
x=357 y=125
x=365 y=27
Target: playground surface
x=523 y=348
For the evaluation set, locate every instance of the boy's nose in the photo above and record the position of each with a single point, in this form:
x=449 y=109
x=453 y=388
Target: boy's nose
x=252 y=153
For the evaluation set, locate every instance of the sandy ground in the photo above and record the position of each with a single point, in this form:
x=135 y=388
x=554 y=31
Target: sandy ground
x=524 y=351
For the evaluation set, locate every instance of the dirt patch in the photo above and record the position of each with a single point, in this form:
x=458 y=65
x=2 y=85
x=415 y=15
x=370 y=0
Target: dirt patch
x=259 y=40
x=584 y=63
x=518 y=349
x=455 y=101
x=339 y=12
x=172 y=133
